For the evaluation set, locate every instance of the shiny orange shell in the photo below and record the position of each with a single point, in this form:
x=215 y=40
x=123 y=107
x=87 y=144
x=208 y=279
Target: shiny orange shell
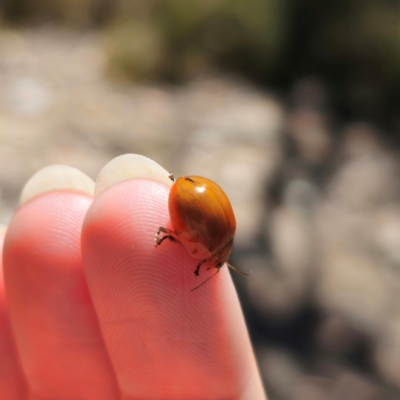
x=202 y=218
x=203 y=222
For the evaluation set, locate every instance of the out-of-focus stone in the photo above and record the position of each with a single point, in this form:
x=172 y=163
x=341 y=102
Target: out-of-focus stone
x=363 y=183
x=310 y=133
x=387 y=352
x=301 y=194
x=280 y=370
x=293 y=247
x=351 y=385
x=335 y=335
x=311 y=93
x=351 y=285
x=360 y=140
x=233 y=108
x=268 y=291
x=339 y=384
x=366 y=178
x=29 y=97
x=310 y=387
x=292 y=240
x=357 y=232
x=293 y=243
x=386 y=234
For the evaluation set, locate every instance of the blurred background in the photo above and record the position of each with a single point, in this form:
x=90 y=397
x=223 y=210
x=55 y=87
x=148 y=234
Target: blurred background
x=292 y=106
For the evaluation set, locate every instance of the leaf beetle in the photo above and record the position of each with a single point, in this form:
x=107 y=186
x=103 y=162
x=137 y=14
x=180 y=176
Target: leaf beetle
x=203 y=222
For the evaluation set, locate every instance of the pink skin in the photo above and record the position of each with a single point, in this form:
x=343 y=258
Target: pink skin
x=12 y=381
x=99 y=312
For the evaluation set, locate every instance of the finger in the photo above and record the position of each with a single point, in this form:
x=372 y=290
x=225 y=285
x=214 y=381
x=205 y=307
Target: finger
x=165 y=342
x=56 y=329
x=12 y=382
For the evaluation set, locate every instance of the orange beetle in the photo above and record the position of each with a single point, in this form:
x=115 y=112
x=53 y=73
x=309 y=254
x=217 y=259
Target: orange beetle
x=202 y=220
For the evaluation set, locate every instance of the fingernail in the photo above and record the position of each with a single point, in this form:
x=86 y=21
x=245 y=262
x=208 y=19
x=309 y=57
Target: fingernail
x=130 y=166
x=56 y=177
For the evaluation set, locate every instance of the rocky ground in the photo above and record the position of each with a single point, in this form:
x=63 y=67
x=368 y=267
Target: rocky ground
x=317 y=204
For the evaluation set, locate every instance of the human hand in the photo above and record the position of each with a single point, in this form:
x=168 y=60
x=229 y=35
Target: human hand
x=98 y=312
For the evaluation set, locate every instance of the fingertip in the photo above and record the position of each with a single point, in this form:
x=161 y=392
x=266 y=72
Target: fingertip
x=155 y=328
x=53 y=319
x=12 y=381
x=56 y=178
x=127 y=167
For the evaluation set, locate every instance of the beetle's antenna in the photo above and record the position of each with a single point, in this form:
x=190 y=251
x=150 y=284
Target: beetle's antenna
x=202 y=283
x=171 y=176
x=238 y=270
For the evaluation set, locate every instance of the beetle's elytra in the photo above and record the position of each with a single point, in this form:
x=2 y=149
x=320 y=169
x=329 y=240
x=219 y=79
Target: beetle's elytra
x=203 y=221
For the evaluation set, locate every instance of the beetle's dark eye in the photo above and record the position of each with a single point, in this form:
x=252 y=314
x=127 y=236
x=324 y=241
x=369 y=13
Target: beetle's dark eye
x=189 y=179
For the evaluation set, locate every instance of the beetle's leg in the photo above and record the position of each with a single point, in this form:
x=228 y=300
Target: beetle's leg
x=165 y=230
x=197 y=270
x=220 y=265
x=159 y=240
x=169 y=235
x=171 y=176
x=212 y=276
x=237 y=270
